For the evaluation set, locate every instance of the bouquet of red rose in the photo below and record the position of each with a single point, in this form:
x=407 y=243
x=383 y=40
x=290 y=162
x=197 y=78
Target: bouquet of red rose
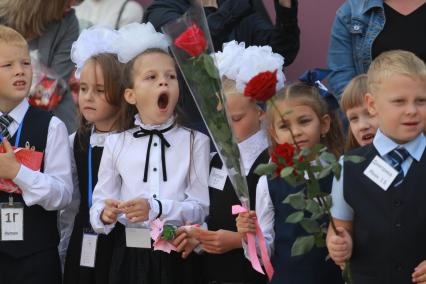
x=192 y=49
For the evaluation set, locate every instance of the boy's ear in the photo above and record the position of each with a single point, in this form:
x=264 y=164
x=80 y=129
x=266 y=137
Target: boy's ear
x=325 y=124
x=130 y=96
x=370 y=103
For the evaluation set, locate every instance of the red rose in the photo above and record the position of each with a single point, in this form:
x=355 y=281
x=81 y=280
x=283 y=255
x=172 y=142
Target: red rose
x=284 y=151
x=192 y=41
x=262 y=86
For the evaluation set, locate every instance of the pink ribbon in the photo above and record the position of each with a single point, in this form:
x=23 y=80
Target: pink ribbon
x=251 y=240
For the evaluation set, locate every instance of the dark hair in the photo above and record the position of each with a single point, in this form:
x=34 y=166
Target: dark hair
x=128 y=111
x=310 y=96
x=111 y=71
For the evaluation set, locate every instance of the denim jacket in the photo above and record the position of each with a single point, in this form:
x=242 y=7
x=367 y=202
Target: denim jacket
x=356 y=26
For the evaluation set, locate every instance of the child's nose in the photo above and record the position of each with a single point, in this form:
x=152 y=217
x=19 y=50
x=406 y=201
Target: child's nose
x=19 y=69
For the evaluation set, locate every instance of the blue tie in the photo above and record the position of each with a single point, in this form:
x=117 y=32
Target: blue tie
x=398 y=156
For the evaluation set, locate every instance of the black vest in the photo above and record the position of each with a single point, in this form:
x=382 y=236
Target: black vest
x=309 y=268
x=40 y=225
x=389 y=226
x=73 y=273
x=231 y=266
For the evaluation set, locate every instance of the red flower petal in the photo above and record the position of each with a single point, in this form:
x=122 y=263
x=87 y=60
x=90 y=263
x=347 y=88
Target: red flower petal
x=262 y=86
x=192 y=41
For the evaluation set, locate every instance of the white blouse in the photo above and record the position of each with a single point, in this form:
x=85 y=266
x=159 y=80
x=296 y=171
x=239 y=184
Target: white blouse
x=184 y=196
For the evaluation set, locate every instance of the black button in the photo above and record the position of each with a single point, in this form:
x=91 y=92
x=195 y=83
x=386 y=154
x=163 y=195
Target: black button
x=398 y=225
x=155 y=144
x=397 y=203
x=155 y=169
x=154 y=195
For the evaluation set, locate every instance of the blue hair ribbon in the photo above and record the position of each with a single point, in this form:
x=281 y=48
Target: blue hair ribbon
x=313 y=78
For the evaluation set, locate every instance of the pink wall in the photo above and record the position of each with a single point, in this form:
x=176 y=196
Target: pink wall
x=315 y=20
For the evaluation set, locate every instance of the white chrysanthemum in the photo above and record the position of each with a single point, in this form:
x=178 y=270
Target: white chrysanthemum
x=241 y=64
x=135 y=38
x=92 y=41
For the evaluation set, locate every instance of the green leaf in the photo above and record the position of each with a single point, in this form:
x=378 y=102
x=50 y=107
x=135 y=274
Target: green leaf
x=305 y=152
x=325 y=172
x=312 y=206
x=210 y=66
x=337 y=170
x=302 y=245
x=169 y=232
x=265 y=169
x=320 y=240
x=317 y=148
x=353 y=159
x=329 y=157
x=296 y=200
x=296 y=217
x=310 y=226
x=286 y=172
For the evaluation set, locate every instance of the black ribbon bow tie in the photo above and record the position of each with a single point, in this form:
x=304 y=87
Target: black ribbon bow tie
x=164 y=143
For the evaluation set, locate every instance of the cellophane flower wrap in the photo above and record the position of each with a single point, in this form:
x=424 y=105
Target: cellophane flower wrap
x=192 y=48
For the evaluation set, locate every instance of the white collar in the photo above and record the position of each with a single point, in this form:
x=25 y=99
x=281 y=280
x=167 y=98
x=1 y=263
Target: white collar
x=252 y=147
x=165 y=125
x=98 y=139
x=18 y=113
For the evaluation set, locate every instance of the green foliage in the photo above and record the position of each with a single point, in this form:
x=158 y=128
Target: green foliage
x=296 y=200
x=353 y=159
x=265 y=169
x=310 y=226
x=295 y=218
x=169 y=232
x=286 y=172
x=302 y=245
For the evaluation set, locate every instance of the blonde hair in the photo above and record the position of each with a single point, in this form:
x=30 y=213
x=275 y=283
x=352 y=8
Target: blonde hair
x=310 y=96
x=353 y=96
x=394 y=62
x=11 y=37
x=31 y=19
x=229 y=87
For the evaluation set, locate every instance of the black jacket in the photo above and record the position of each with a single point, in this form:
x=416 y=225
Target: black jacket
x=238 y=20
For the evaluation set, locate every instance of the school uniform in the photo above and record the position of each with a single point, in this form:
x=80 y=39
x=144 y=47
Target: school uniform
x=36 y=259
x=73 y=271
x=389 y=231
x=166 y=164
x=232 y=266
x=309 y=268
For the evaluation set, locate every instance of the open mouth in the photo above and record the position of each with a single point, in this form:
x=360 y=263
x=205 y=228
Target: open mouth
x=163 y=101
x=367 y=137
x=19 y=83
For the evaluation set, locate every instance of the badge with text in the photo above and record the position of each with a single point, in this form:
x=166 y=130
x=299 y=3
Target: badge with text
x=88 y=248
x=138 y=238
x=381 y=173
x=217 y=178
x=12 y=221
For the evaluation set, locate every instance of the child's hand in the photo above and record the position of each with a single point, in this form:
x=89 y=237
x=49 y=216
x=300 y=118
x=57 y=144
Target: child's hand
x=285 y=3
x=221 y=241
x=419 y=275
x=136 y=210
x=9 y=166
x=246 y=223
x=186 y=241
x=110 y=213
x=339 y=246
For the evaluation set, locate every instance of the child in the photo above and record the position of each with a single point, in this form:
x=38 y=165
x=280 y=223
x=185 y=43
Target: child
x=31 y=257
x=311 y=123
x=362 y=125
x=100 y=98
x=156 y=169
x=381 y=216
x=224 y=260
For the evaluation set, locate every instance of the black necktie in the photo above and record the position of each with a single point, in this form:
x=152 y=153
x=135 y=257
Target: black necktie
x=144 y=132
x=5 y=121
x=398 y=156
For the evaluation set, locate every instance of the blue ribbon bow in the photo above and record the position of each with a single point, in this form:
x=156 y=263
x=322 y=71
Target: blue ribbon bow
x=313 y=78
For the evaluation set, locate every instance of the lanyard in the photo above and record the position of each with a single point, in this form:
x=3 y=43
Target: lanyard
x=89 y=186
x=18 y=134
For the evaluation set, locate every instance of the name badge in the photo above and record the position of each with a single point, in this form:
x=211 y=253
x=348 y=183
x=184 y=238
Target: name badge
x=217 y=178
x=12 y=221
x=381 y=173
x=138 y=238
x=88 y=249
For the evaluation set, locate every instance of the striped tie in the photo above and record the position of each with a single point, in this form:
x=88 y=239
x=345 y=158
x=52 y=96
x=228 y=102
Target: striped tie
x=398 y=156
x=5 y=121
